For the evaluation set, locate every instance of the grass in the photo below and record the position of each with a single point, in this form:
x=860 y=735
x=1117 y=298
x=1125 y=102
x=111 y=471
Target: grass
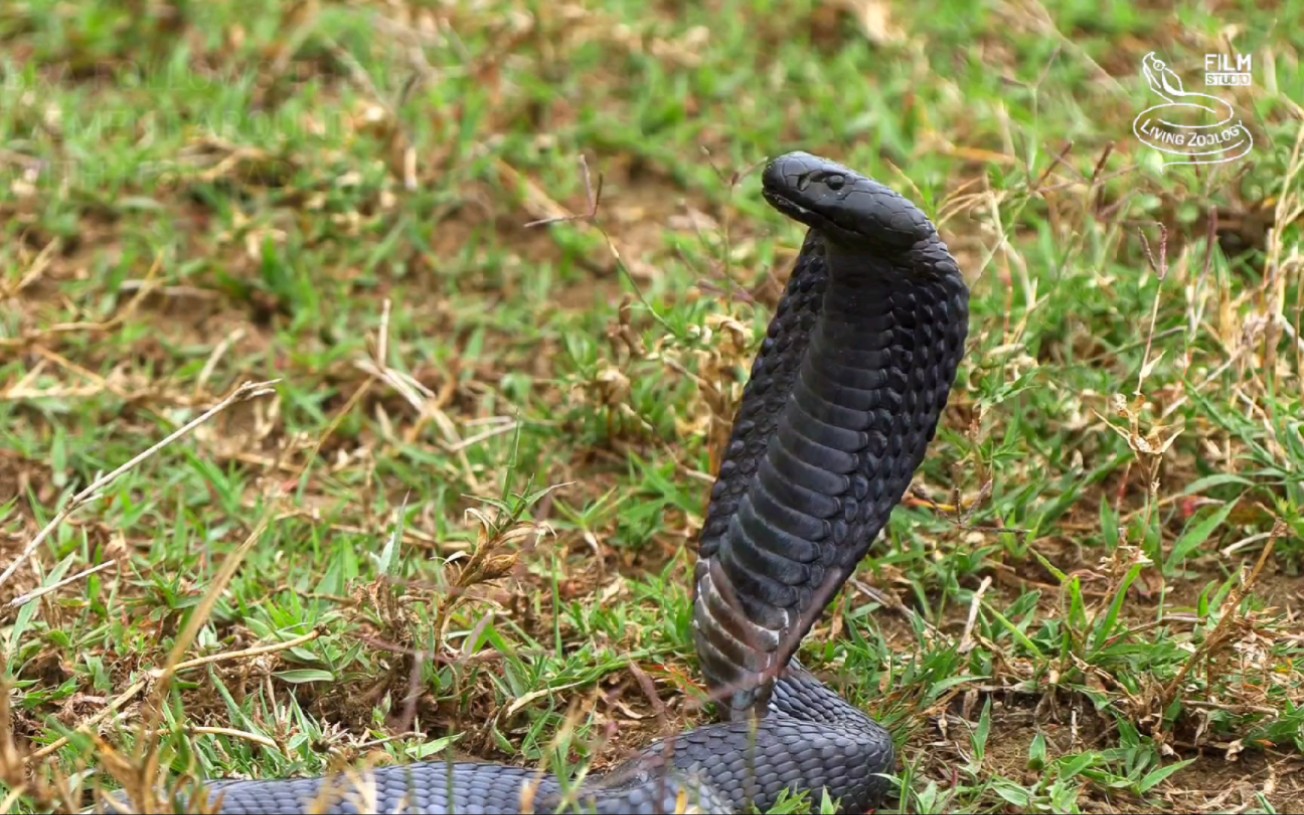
x=463 y=518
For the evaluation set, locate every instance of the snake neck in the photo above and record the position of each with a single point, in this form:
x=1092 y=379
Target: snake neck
x=773 y=370
x=844 y=398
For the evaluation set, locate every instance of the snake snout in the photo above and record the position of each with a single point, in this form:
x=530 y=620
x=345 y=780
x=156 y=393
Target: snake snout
x=796 y=172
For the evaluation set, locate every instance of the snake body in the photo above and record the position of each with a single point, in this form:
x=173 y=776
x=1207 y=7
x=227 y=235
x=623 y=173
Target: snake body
x=843 y=399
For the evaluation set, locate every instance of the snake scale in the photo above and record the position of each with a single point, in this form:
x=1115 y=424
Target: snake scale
x=843 y=399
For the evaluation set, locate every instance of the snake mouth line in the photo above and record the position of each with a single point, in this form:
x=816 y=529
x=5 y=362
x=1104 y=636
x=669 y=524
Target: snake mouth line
x=796 y=211
x=824 y=223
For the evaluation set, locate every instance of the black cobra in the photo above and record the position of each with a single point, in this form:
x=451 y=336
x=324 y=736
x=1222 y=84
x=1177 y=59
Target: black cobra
x=843 y=399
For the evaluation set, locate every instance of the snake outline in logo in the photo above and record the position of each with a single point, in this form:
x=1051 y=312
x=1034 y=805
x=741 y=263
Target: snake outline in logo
x=1196 y=127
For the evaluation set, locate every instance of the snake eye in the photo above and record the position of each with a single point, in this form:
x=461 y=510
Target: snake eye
x=835 y=182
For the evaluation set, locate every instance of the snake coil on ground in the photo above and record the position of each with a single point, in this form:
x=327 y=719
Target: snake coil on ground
x=844 y=398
